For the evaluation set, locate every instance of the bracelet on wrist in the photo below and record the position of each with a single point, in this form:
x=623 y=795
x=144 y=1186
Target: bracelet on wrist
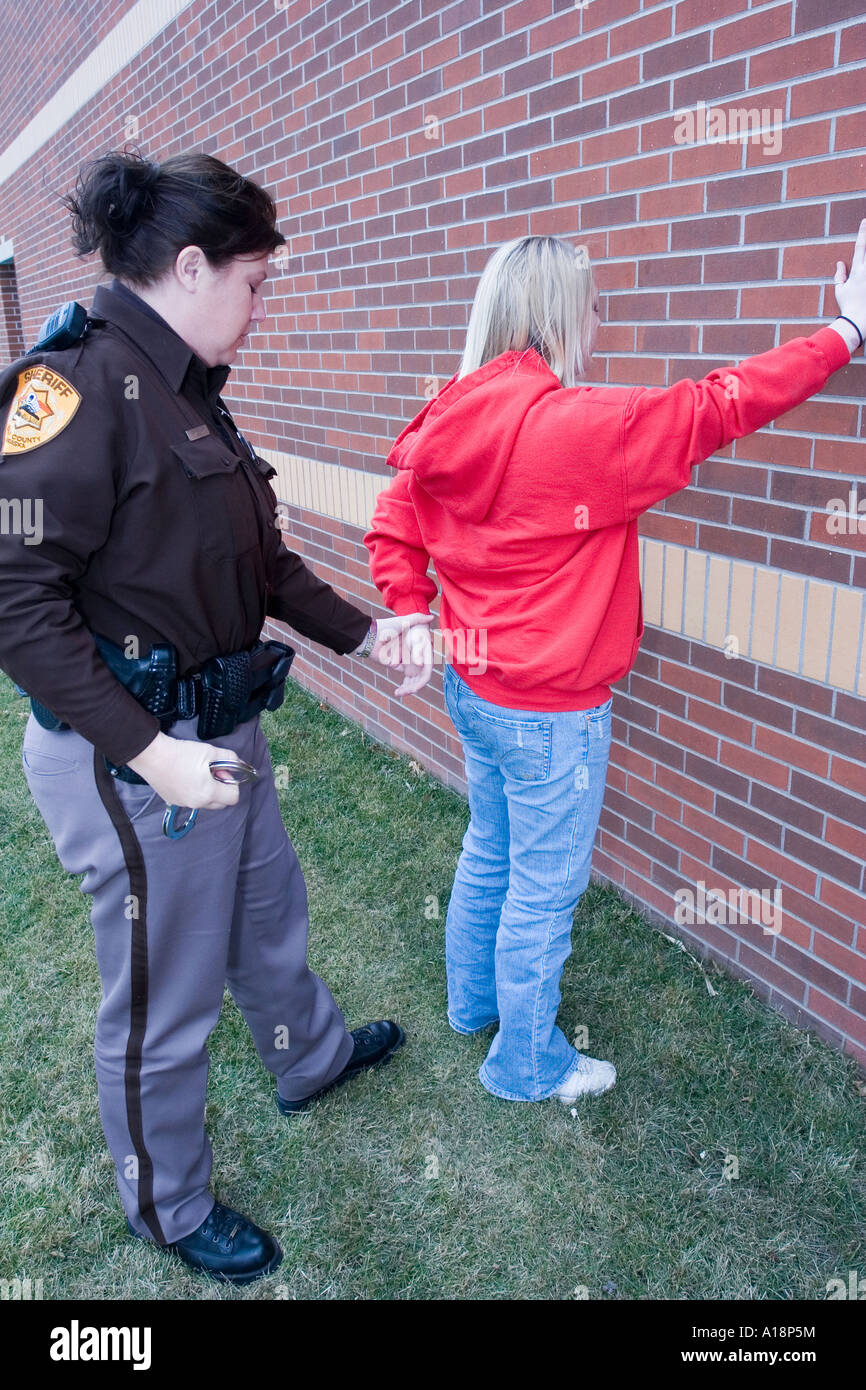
x=369 y=641
x=854 y=326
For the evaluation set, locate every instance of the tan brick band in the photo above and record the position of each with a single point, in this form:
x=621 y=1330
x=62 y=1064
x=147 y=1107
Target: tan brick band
x=808 y=627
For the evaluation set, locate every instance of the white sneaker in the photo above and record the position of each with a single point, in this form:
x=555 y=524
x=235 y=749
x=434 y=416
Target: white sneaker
x=591 y=1078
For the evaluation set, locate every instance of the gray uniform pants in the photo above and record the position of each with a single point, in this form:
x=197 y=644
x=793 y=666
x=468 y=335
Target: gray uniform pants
x=174 y=922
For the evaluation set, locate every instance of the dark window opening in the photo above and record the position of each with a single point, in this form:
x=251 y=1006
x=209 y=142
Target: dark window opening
x=11 y=331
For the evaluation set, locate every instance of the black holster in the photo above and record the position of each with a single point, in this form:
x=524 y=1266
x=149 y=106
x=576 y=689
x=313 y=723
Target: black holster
x=151 y=680
x=239 y=686
x=226 y=692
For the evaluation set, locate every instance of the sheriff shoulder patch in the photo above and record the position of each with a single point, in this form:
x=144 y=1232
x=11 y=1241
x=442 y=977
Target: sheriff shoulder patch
x=43 y=404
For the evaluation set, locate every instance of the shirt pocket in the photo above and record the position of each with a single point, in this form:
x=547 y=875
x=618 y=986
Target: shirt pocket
x=222 y=498
x=266 y=469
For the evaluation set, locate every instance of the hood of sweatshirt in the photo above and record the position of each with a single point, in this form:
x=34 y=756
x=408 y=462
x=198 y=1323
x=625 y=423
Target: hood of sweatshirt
x=459 y=445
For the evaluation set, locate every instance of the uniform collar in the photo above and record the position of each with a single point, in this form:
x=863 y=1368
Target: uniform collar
x=168 y=351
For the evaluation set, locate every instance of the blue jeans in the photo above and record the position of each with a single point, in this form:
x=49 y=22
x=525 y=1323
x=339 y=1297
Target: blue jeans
x=536 y=785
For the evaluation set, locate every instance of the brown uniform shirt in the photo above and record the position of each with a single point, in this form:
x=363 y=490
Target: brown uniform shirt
x=145 y=518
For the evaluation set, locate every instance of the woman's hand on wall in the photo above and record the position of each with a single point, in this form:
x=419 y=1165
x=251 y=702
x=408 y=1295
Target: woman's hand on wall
x=851 y=290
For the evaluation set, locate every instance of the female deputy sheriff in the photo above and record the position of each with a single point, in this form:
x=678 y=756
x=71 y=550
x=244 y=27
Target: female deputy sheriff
x=133 y=625
x=525 y=487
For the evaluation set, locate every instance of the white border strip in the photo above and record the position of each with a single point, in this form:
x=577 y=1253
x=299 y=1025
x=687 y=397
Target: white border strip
x=138 y=27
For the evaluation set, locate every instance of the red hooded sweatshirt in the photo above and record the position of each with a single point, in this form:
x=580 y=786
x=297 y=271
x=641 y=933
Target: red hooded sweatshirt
x=526 y=495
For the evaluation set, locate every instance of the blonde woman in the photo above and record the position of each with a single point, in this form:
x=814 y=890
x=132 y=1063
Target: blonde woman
x=525 y=487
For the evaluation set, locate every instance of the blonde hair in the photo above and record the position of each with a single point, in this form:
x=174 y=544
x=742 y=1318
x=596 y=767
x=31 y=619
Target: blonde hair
x=535 y=292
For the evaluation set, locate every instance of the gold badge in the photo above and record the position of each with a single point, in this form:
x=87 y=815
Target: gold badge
x=44 y=402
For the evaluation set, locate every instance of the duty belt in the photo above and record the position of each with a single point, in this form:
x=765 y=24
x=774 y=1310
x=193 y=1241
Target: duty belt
x=227 y=690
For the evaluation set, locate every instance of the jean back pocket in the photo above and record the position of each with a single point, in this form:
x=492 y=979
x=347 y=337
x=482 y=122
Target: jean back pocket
x=521 y=747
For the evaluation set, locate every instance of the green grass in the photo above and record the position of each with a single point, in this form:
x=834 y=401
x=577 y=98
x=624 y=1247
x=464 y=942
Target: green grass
x=626 y=1199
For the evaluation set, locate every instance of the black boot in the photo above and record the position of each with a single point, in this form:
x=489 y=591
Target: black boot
x=227 y=1246
x=374 y=1043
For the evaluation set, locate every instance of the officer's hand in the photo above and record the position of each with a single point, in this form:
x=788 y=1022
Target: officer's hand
x=177 y=769
x=405 y=643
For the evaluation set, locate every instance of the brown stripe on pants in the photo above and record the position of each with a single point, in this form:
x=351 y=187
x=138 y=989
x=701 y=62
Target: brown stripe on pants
x=175 y=921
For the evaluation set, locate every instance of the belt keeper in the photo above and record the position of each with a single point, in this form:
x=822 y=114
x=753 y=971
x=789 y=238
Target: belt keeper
x=188 y=696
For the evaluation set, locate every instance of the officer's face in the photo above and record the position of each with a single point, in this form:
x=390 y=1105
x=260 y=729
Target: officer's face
x=224 y=307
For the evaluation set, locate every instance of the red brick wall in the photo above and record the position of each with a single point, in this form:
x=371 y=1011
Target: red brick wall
x=546 y=117
x=42 y=46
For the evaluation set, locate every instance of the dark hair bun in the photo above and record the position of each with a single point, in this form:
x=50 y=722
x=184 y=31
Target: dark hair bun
x=112 y=198
x=140 y=215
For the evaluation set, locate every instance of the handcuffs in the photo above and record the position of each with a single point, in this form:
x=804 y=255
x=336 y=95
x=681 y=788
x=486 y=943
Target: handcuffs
x=221 y=770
